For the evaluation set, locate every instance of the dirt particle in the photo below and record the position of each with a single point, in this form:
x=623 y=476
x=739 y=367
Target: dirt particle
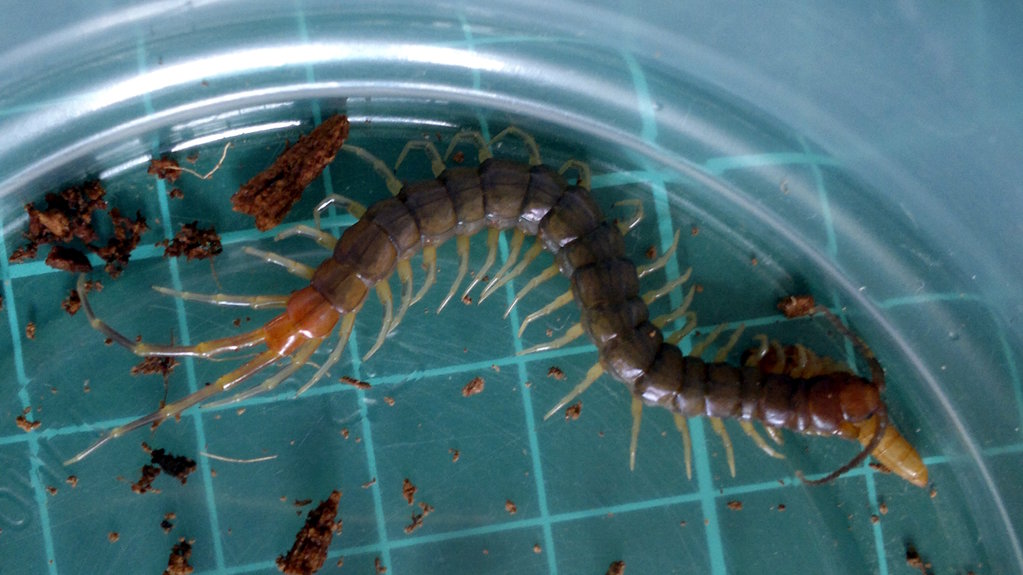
x=165 y=169
x=176 y=194
x=155 y=364
x=355 y=382
x=458 y=157
x=797 y=305
x=735 y=505
x=68 y=259
x=379 y=566
x=473 y=387
x=694 y=231
x=537 y=549
x=72 y=480
x=914 y=560
x=573 y=411
x=177 y=563
x=113 y=536
x=874 y=519
x=269 y=196
x=408 y=491
x=616 y=568
x=389 y=400
x=369 y=483
x=510 y=507
x=51 y=490
x=883 y=508
x=25 y=424
x=455 y=455
x=651 y=252
x=193 y=242
x=72 y=303
x=781 y=507
x=556 y=373
x=30 y=330
x=309 y=551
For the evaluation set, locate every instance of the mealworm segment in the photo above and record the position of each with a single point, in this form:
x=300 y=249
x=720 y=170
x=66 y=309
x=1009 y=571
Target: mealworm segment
x=531 y=199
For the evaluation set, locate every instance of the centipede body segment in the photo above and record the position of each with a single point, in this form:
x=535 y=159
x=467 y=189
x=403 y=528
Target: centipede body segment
x=531 y=199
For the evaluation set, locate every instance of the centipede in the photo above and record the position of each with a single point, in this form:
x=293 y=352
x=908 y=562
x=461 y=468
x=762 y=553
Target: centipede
x=554 y=206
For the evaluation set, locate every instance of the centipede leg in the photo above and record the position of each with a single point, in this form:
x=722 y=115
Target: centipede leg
x=540 y=278
x=663 y=320
x=719 y=428
x=302 y=355
x=436 y=163
x=206 y=349
x=531 y=254
x=225 y=381
x=527 y=139
x=393 y=184
x=687 y=444
x=493 y=236
x=518 y=237
x=430 y=263
x=653 y=295
x=322 y=238
x=643 y=271
x=387 y=302
x=405 y=275
x=293 y=267
x=482 y=151
x=335 y=354
x=591 y=375
x=558 y=302
x=581 y=168
x=759 y=440
x=637 y=419
x=253 y=301
x=571 y=334
x=462 y=243
x=626 y=226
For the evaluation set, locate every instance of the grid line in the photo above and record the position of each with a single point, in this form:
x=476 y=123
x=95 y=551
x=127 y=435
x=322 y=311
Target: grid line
x=31 y=438
x=204 y=468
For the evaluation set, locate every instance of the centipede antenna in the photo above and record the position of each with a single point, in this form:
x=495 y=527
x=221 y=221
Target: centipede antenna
x=882 y=425
x=351 y=206
x=206 y=349
x=558 y=302
x=345 y=332
x=405 y=275
x=722 y=353
x=643 y=271
x=687 y=444
x=663 y=320
x=436 y=163
x=581 y=168
x=393 y=184
x=387 y=302
x=637 y=418
x=626 y=226
x=493 y=236
x=877 y=372
x=254 y=302
x=701 y=347
x=719 y=428
x=654 y=295
x=527 y=139
x=302 y=355
x=591 y=375
x=293 y=267
x=518 y=237
x=430 y=263
x=543 y=276
x=751 y=431
x=482 y=151
x=570 y=335
x=462 y=242
x=531 y=254
x=325 y=240
x=225 y=381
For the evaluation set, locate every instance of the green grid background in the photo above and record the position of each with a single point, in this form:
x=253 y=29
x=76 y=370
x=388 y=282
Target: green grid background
x=540 y=520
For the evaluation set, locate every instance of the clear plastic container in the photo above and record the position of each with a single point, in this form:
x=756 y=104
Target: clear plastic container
x=868 y=157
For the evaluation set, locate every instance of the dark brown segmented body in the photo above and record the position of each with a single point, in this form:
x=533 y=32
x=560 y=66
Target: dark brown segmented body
x=501 y=194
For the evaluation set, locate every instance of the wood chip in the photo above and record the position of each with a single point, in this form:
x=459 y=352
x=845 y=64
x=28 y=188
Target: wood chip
x=473 y=387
